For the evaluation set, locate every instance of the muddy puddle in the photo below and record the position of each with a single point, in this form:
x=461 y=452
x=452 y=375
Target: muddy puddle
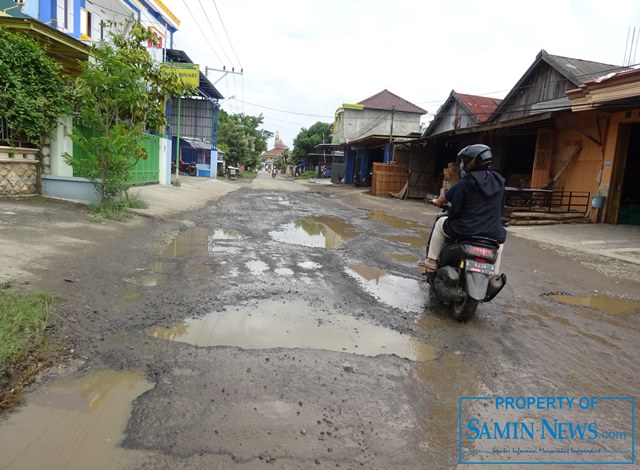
x=396 y=222
x=63 y=425
x=283 y=201
x=414 y=241
x=315 y=231
x=399 y=292
x=402 y=257
x=273 y=324
x=199 y=240
x=310 y=265
x=600 y=302
x=131 y=294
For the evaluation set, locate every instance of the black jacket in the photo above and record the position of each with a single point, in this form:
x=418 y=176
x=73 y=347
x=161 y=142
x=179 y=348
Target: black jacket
x=476 y=208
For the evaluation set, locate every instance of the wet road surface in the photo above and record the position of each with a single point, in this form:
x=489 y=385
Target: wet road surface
x=286 y=326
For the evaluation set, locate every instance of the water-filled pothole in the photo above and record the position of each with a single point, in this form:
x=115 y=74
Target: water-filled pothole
x=315 y=231
x=72 y=423
x=600 y=302
x=310 y=265
x=273 y=324
x=402 y=257
x=396 y=222
x=415 y=241
x=198 y=240
x=283 y=201
x=403 y=293
x=156 y=277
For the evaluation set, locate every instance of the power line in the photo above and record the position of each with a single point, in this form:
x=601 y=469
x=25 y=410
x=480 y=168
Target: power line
x=227 y=34
x=214 y=31
x=202 y=32
x=284 y=111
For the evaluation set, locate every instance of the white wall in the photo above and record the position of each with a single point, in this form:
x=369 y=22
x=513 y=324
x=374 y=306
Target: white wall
x=165 y=161
x=61 y=143
x=356 y=124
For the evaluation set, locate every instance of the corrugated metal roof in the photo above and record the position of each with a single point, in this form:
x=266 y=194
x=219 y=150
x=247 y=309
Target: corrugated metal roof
x=577 y=70
x=197 y=143
x=387 y=101
x=480 y=106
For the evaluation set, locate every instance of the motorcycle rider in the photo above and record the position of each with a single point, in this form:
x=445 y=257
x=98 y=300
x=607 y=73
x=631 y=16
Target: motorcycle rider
x=476 y=205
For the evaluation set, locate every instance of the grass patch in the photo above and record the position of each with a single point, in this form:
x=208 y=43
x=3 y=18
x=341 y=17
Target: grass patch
x=247 y=174
x=23 y=319
x=116 y=210
x=24 y=349
x=307 y=175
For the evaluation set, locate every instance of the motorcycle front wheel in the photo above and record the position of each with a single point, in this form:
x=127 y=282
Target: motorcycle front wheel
x=465 y=310
x=191 y=171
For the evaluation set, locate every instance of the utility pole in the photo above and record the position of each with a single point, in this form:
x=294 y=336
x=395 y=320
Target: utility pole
x=393 y=109
x=224 y=71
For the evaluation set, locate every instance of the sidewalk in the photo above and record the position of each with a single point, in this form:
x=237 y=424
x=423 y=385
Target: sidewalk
x=621 y=242
x=193 y=193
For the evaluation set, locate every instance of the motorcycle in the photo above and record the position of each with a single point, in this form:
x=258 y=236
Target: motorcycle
x=362 y=180
x=465 y=274
x=273 y=174
x=188 y=168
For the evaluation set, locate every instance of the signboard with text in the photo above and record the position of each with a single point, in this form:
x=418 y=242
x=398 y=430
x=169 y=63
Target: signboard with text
x=188 y=73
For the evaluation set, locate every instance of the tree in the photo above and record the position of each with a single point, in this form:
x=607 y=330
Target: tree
x=240 y=139
x=121 y=93
x=307 y=139
x=33 y=93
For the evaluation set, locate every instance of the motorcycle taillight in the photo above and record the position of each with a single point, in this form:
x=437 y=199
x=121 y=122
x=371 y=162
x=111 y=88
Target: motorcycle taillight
x=480 y=251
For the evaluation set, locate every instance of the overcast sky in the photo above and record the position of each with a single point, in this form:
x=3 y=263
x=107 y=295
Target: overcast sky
x=302 y=59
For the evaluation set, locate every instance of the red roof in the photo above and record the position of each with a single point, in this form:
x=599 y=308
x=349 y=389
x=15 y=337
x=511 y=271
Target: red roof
x=481 y=106
x=387 y=101
x=275 y=151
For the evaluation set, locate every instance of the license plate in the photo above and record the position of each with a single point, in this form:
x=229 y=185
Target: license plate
x=476 y=267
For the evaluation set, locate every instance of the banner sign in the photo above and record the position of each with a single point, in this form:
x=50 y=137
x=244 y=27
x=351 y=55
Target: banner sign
x=188 y=73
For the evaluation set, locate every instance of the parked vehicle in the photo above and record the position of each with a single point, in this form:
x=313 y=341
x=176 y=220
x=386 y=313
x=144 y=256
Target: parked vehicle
x=465 y=274
x=188 y=168
x=362 y=180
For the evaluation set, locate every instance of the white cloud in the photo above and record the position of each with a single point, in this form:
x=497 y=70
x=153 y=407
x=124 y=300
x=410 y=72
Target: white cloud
x=309 y=57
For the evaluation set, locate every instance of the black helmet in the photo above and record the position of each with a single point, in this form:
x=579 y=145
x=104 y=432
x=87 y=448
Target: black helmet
x=475 y=157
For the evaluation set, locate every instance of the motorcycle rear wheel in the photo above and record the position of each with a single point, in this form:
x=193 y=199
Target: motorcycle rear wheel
x=191 y=171
x=465 y=310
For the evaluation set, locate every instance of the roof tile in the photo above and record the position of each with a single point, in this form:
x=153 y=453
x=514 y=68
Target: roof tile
x=387 y=101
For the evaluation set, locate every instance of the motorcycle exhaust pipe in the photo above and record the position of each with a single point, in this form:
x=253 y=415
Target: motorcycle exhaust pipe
x=496 y=283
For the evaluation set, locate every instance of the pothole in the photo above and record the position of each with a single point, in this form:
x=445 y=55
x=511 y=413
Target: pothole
x=396 y=222
x=315 y=231
x=600 y=302
x=399 y=292
x=402 y=257
x=310 y=265
x=199 y=240
x=415 y=241
x=60 y=425
x=273 y=324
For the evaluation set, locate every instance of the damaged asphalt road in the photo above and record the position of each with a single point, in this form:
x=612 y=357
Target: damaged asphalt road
x=285 y=328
